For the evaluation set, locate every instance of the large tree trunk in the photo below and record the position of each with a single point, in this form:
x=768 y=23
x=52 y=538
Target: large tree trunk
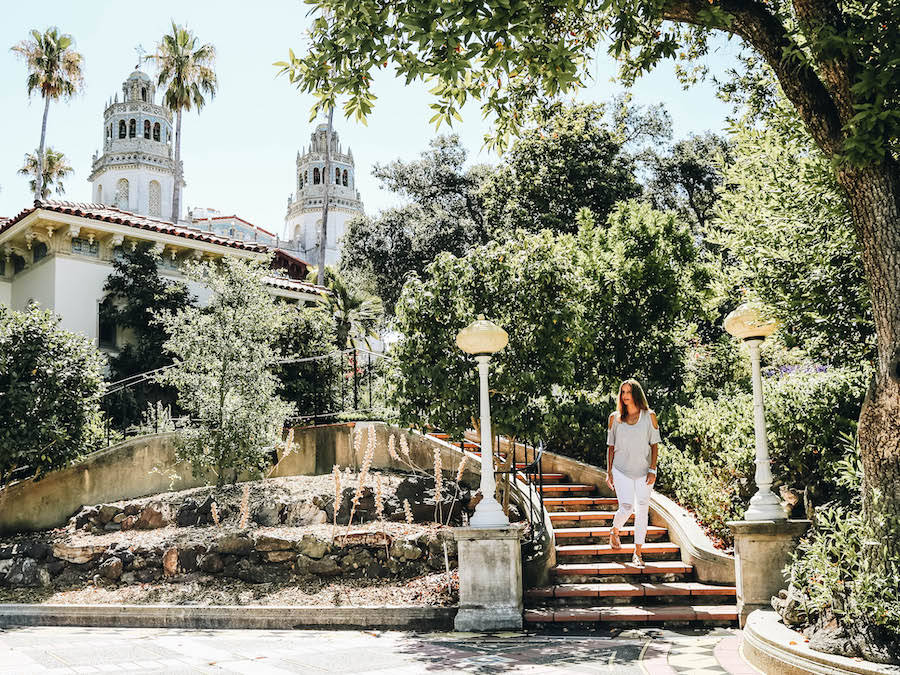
x=874 y=195
x=39 y=179
x=323 y=231
x=176 y=192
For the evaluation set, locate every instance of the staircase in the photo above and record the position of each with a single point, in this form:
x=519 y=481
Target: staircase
x=595 y=583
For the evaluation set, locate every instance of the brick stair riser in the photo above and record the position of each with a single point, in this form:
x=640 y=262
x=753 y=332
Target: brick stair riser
x=618 y=623
x=615 y=557
x=626 y=539
x=622 y=601
x=616 y=578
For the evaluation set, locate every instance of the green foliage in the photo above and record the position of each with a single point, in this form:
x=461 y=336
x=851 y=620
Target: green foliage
x=186 y=69
x=569 y=161
x=50 y=387
x=225 y=354
x=54 y=67
x=842 y=570
x=687 y=178
x=699 y=486
x=56 y=167
x=809 y=412
x=786 y=226
x=444 y=213
x=135 y=291
x=576 y=309
x=305 y=333
x=355 y=313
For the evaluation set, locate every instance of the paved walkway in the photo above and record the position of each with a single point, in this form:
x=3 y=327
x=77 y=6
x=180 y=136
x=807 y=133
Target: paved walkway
x=139 y=650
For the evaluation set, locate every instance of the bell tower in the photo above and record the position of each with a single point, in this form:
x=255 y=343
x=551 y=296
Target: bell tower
x=304 y=210
x=135 y=171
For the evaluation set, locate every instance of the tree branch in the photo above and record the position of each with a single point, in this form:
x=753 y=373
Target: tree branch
x=764 y=32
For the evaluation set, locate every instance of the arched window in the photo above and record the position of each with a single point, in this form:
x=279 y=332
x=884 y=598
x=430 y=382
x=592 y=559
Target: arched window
x=344 y=181
x=99 y=194
x=107 y=327
x=122 y=194
x=146 y=128
x=155 y=199
x=132 y=128
x=121 y=128
x=39 y=251
x=156 y=131
x=337 y=176
x=144 y=94
x=316 y=176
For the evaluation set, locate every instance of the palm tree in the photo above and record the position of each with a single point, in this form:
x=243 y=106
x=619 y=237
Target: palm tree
x=186 y=71
x=56 y=167
x=356 y=313
x=54 y=69
x=323 y=231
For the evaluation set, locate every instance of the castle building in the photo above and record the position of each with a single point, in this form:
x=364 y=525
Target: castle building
x=136 y=171
x=304 y=210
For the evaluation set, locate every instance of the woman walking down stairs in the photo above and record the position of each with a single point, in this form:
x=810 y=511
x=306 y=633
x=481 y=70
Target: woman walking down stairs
x=594 y=583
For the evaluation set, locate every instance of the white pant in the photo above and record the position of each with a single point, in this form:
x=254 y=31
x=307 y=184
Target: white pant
x=633 y=495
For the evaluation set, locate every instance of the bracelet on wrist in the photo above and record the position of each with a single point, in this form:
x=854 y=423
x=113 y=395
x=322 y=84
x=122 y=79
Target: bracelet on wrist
x=653 y=471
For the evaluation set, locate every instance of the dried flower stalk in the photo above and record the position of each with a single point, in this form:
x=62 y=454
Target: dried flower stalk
x=214 y=510
x=438 y=476
x=461 y=469
x=379 y=504
x=363 y=472
x=404 y=446
x=407 y=510
x=289 y=442
x=336 y=474
x=391 y=449
x=245 y=506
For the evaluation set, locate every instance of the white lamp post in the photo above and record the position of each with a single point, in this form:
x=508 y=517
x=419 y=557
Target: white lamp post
x=481 y=338
x=745 y=323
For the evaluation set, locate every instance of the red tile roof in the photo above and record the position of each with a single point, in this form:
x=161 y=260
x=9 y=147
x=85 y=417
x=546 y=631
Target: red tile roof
x=110 y=214
x=235 y=217
x=295 y=285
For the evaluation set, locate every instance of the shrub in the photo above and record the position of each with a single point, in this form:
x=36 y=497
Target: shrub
x=50 y=387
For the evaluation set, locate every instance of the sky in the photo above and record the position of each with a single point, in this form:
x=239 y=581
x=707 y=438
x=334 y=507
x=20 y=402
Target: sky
x=239 y=152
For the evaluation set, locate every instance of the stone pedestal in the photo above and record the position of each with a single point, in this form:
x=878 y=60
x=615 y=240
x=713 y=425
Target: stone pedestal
x=762 y=549
x=490 y=579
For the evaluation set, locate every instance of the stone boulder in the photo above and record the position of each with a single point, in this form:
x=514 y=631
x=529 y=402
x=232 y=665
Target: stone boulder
x=188 y=513
x=24 y=572
x=298 y=514
x=170 y=562
x=77 y=554
x=111 y=568
x=312 y=547
x=106 y=512
x=211 y=563
x=265 y=542
x=153 y=516
x=235 y=542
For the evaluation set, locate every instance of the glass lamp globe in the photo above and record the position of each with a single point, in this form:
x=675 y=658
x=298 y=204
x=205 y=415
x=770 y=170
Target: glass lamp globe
x=482 y=337
x=746 y=322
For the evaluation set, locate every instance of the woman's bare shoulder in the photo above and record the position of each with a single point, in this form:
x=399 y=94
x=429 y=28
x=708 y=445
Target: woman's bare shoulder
x=653 y=419
x=613 y=417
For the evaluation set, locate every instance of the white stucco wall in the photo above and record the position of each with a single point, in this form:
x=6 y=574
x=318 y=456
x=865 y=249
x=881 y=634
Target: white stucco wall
x=138 y=188
x=79 y=292
x=5 y=293
x=35 y=283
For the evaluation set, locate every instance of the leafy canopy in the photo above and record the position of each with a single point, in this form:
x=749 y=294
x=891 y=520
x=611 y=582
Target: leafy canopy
x=837 y=64
x=51 y=382
x=54 y=67
x=186 y=69
x=56 y=167
x=224 y=355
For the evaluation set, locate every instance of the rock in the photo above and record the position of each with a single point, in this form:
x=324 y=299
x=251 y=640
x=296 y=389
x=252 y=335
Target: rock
x=55 y=567
x=111 y=568
x=187 y=558
x=268 y=515
x=112 y=527
x=170 y=562
x=791 y=606
x=211 y=563
x=77 y=554
x=188 y=513
x=312 y=547
x=266 y=542
x=128 y=523
x=153 y=516
x=43 y=577
x=326 y=567
x=6 y=551
x=106 y=512
x=279 y=556
x=22 y=572
x=365 y=510
x=131 y=509
x=878 y=644
x=84 y=516
x=419 y=490
x=403 y=550
x=31 y=548
x=304 y=513
x=234 y=543
x=127 y=578
x=148 y=575
x=119 y=517
x=833 y=640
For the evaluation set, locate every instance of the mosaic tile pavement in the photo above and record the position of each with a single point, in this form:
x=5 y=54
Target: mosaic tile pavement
x=134 y=650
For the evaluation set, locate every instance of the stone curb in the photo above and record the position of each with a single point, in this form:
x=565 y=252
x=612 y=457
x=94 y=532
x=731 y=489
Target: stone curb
x=225 y=617
x=774 y=648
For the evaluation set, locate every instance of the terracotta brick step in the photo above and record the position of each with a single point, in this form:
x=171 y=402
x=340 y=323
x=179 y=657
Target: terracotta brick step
x=623 y=613
x=567 y=487
x=583 y=518
x=580 y=501
x=630 y=590
x=547 y=477
x=653 y=532
x=440 y=435
x=613 y=568
x=649 y=549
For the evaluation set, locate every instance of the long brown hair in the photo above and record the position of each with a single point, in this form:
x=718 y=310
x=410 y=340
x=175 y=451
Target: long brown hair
x=637 y=395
